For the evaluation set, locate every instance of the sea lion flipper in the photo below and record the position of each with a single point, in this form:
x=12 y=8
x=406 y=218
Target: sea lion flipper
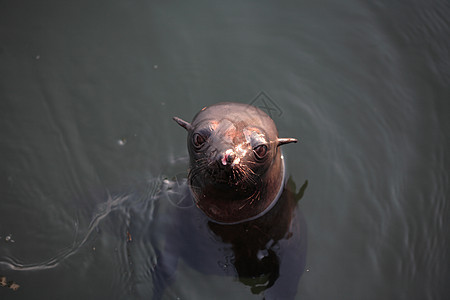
x=301 y=192
x=282 y=141
x=290 y=184
x=183 y=123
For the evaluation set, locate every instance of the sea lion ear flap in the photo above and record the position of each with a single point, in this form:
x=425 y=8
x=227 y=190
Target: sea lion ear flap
x=183 y=123
x=282 y=141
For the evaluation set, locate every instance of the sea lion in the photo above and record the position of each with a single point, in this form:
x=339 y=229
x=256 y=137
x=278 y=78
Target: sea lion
x=244 y=223
x=236 y=167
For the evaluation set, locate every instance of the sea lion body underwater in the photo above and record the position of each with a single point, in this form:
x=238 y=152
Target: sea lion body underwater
x=237 y=181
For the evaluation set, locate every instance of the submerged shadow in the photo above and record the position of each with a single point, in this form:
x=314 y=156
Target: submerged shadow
x=259 y=251
x=256 y=244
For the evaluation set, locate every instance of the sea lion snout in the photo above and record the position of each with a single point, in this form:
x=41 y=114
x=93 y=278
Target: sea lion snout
x=223 y=156
x=223 y=166
x=225 y=152
x=229 y=158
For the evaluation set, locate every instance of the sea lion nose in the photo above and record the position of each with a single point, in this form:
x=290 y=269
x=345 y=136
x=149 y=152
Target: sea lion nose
x=228 y=157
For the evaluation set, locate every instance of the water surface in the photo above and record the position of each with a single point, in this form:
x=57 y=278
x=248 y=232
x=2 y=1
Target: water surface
x=87 y=92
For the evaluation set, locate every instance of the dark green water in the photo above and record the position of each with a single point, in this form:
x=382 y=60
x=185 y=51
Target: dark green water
x=87 y=92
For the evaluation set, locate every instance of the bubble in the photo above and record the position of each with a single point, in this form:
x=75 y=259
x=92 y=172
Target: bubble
x=122 y=142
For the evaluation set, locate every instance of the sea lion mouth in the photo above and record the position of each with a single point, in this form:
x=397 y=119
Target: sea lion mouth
x=239 y=179
x=222 y=192
x=231 y=176
x=222 y=203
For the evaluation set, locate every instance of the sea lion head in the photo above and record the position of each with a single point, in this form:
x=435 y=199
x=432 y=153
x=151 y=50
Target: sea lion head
x=236 y=167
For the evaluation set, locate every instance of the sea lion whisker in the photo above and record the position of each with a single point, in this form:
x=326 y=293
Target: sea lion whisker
x=249 y=175
x=254 y=197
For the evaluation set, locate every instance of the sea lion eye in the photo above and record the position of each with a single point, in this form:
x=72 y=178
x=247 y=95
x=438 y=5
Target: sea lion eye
x=260 y=151
x=198 y=140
